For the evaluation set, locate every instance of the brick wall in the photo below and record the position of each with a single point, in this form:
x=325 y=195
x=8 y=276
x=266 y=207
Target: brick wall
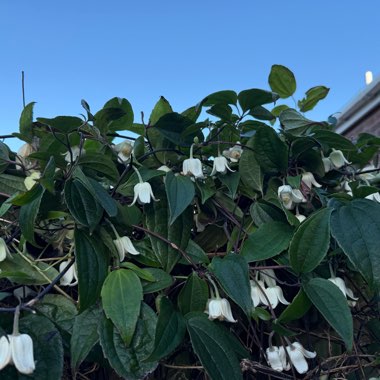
x=370 y=123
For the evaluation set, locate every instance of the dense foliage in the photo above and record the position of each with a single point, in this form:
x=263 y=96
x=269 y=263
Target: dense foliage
x=244 y=245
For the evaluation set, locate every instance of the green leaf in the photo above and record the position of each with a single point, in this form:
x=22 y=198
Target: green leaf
x=26 y=271
x=161 y=108
x=267 y=241
x=101 y=164
x=10 y=184
x=47 y=178
x=170 y=330
x=270 y=151
x=263 y=213
x=102 y=196
x=310 y=242
x=282 y=81
x=63 y=124
x=313 y=96
x=82 y=205
x=178 y=233
x=332 y=304
x=232 y=274
x=26 y=122
x=261 y=113
x=180 y=192
x=162 y=280
x=293 y=120
x=125 y=121
x=329 y=140
x=220 y=97
x=85 y=335
x=4 y=157
x=249 y=99
x=214 y=349
x=356 y=228
x=142 y=273
x=196 y=253
x=92 y=266
x=28 y=215
x=249 y=168
x=122 y=294
x=194 y=295
x=231 y=180
x=129 y=362
x=223 y=111
x=297 y=309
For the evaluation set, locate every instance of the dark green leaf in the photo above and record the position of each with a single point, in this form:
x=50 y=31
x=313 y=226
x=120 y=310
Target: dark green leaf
x=232 y=274
x=270 y=151
x=220 y=97
x=163 y=280
x=196 y=254
x=26 y=122
x=223 y=111
x=282 y=81
x=310 y=242
x=180 y=192
x=102 y=196
x=261 y=113
x=263 y=213
x=194 y=295
x=249 y=99
x=293 y=120
x=92 y=265
x=4 y=157
x=85 y=335
x=249 y=168
x=297 y=309
x=313 y=96
x=142 y=273
x=10 y=184
x=329 y=140
x=122 y=294
x=101 y=164
x=63 y=124
x=128 y=362
x=161 y=108
x=170 y=330
x=214 y=349
x=123 y=116
x=332 y=304
x=356 y=227
x=268 y=241
x=231 y=180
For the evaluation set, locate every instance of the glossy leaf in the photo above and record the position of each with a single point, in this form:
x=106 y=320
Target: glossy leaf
x=162 y=280
x=122 y=294
x=232 y=274
x=332 y=304
x=282 y=81
x=313 y=96
x=250 y=170
x=248 y=99
x=297 y=309
x=161 y=108
x=180 y=192
x=63 y=124
x=4 y=157
x=26 y=122
x=10 y=184
x=220 y=97
x=356 y=227
x=214 y=349
x=310 y=242
x=129 y=362
x=269 y=240
x=170 y=330
x=194 y=295
x=92 y=266
x=101 y=164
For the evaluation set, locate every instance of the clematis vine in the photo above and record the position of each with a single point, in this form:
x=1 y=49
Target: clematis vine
x=123 y=245
x=192 y=166
x=220 y=166
x=17 y=349
x=217 y=307
x=142 y=191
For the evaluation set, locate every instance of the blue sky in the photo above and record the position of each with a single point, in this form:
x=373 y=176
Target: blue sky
x=95 y=50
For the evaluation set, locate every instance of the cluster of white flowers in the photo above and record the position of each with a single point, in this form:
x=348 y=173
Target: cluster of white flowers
x=290 y=197
x=17 y=349
x=265 y=291
x=277 y=359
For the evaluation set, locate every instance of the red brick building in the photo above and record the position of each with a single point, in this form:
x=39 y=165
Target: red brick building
x=362 y=114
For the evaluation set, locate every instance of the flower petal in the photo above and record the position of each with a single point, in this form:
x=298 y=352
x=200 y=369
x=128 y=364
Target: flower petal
x=273 y=358
x=298 y=360
x=128 y=246
x=226 y=311
x=306 y=353
x=22 y=353
x=5 y=352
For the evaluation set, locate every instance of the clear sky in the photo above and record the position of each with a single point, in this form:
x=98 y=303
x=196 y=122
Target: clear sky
x=184 y=50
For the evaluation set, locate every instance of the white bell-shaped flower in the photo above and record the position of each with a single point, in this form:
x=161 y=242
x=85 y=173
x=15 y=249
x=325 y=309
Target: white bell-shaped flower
x=337 y=159
x=309 y=180
x=219 y=308
x=234 y=153
x=124 y=245
x=4 y=251
x=192 y=166
x=339 y=282
x=124 y=150
x=285 y=195
x=75 y=153
x=70 y=278
x=327 y=164
x=297 y=354
x=374 y=197
x=143 y=193
x=220 y=166
x=257 y=292
x=298 y=197
x=276 y=358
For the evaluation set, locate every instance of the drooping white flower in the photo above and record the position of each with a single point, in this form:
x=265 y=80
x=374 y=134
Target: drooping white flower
x=289 y=196
x=276 y=358
x=32 y=179
x=297 y=354
x=192 y=166
x=367 y=176
x=219 y=308
x=309 y=180
x=257 y=292
x=17 y=349
x=124 y=245
x=220 y=166
x=22 y=156
x=233 y=153
x=327 y=164
x=70 y=278
x=298 y=197
x=374 y=197
x=124 y=150
x=273 y=292
x=75 y=152
x=300 y=217
x=4 y=251
x=347 y=292
x=142 y=191
x=337 y=159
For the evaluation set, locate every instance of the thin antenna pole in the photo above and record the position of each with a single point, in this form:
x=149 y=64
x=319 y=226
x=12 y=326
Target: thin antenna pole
x=23 y=87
